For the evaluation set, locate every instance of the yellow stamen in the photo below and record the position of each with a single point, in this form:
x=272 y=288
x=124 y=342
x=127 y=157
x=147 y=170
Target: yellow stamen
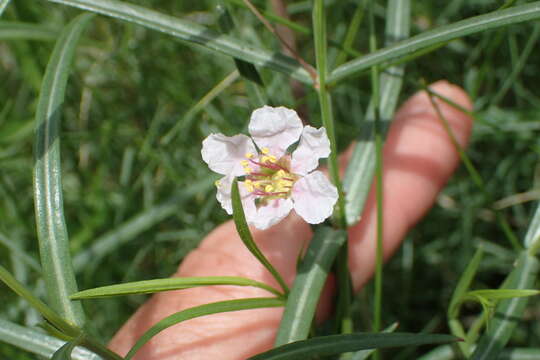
x=247 y=169
x=244 y=163
x=217 y=183
x=249 y=185
x=265 y=150
x=268 y=188
x=250 y=155
x=272 y=158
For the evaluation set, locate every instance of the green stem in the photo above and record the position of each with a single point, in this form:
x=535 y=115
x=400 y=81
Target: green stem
x=319 y=31
x=319 y=25
x=378 y=181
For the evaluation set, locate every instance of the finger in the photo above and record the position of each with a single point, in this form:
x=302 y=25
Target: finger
x=241 y=334
x=419 y=157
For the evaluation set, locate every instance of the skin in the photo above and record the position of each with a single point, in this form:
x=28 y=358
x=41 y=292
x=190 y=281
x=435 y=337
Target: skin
x=418 y=160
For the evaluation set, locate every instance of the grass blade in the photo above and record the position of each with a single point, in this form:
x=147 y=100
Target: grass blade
x=441 y=34
x=37 y=342
x=499 y=294
x=359 y=174
x=202 y=310
x=312 y=273
x=464 y=283
x=508 y=311
x=3 y=5
x=52 y=232
x=193 y=33
x=457 y=299
x=157 y=285
x=247 y=239
x=337 y=344
x=532 y=238
x=10 y=30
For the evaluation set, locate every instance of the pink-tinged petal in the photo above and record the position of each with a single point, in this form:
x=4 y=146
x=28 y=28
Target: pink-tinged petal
x=314 y=145
x=223 y=195
x=223 y=154
x=314 y=197
x=275 y=128
x=266 y=216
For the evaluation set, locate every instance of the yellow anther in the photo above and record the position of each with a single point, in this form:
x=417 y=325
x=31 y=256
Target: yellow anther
x=268 y=188
x=264 y=158
x=265 y=150
x=250 y=155
x=217 y=183
x=247 y=169
x=249 y=185
x=244 y=163
x=279 y=174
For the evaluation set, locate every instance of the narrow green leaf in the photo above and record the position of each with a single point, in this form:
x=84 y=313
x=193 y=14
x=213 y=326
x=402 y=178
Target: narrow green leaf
x=202 y=310
x=52 y=232
x=464 y=283
x=157 y=285
x=37 y=342
x=364 y=354
x=499 y=294
x=508 y=312
x=441 y=34
x=3 y=5
x=361 y=168
x=64 y=353
x=337 y=344
x=458 y=297
x=532 y=238
x=193 y=33
x=10 y=30
x=226 y=25
x=254 y=85
x=245 y=235
x=305 y=293
x=445 y=352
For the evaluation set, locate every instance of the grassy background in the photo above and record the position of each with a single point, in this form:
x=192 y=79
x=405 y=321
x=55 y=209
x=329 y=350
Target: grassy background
x=130 y=86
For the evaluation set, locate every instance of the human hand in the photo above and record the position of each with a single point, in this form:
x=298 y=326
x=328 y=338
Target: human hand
x=418 y=159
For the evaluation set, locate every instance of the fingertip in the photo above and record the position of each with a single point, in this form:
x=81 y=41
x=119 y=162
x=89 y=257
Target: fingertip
x=422 y=104
x=419 y=157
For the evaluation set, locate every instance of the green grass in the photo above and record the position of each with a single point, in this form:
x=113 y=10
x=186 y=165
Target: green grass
x=151 y=201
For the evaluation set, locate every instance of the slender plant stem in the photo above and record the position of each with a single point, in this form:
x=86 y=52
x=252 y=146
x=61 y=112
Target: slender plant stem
x=378 y=181
x=344 y=282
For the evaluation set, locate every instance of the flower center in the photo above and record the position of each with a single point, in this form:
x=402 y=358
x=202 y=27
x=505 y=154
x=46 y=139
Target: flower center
x=268 y=177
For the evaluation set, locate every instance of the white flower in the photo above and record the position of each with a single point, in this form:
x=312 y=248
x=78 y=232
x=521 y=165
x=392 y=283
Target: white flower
x=275 y=182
